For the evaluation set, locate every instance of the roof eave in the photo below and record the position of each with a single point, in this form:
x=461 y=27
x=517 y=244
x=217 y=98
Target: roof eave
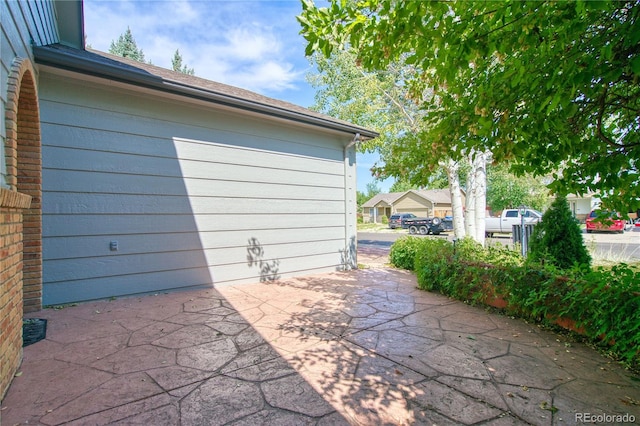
x=69 y=62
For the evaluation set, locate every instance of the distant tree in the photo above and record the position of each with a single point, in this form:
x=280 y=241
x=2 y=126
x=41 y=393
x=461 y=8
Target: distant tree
x=557 y=239
x=176 y=62
x=373 y=189
x=361 y=198
x=126 y=47
x=401 y=186
x=506 y=190
x=382 y=100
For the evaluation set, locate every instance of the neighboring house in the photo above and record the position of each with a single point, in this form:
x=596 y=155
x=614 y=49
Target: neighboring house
x=127 y=178
x=423 y=203
x=581 y=205
x=381 y=205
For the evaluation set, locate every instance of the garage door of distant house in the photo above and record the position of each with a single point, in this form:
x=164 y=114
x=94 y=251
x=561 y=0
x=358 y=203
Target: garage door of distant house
x=145 y=194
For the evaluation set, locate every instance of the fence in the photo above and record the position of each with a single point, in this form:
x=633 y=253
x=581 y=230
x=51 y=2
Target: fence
x=518 y=236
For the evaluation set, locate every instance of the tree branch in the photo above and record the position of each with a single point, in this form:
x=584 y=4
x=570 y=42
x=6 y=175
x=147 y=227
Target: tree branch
x=509 y=23
x=393 y=100
x=602 y=104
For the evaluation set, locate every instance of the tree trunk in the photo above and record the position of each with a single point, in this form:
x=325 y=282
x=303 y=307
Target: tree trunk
x=470 y=213
x=480 y=181
x=452 y=169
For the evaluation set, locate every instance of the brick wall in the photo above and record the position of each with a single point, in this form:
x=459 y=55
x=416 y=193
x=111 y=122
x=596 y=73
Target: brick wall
x=30 y=183
x=24 y=170
x=20 y=216
x=11 y=206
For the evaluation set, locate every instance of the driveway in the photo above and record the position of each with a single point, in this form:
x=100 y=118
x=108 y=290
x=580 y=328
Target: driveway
x=362 y=347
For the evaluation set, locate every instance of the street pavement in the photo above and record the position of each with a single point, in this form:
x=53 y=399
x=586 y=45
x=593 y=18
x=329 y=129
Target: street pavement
x=604 y=245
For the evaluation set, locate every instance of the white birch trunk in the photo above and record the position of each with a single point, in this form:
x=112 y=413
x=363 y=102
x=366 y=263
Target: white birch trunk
x=480 y=181
x=470 y=213
x=452 y=168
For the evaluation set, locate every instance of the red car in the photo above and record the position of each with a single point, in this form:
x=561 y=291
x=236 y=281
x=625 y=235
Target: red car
x=599 y=220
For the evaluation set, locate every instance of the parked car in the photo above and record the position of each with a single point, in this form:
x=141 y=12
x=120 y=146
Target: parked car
x=508 y=218
x=397 y=220
x=599 y=220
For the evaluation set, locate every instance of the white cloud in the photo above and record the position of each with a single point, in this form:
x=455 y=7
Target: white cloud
x=249 y=44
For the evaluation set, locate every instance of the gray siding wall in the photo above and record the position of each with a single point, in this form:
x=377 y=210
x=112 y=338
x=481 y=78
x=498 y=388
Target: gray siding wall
x=21 y=23
x=192 y=195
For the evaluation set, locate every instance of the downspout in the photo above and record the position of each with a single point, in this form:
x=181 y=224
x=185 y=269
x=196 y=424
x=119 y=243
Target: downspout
x=356 y=139
x=349 y=260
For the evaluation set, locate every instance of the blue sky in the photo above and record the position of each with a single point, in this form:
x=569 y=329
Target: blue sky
x=254 y=45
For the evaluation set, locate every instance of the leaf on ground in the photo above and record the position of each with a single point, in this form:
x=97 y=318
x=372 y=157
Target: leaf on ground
x=545 y=406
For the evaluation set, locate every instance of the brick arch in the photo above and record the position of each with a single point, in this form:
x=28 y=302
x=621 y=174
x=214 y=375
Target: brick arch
x=24 y=171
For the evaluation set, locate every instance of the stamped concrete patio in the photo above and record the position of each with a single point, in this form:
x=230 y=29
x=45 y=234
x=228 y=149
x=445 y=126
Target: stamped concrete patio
x=362 y=347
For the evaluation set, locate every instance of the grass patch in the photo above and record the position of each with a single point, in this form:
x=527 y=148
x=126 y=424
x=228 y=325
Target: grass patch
x=378 y=227
x=371 y=226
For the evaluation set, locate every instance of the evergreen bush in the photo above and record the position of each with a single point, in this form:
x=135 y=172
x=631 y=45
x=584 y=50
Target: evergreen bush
x=557 y=239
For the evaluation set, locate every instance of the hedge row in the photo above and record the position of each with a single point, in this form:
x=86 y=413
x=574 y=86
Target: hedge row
x=602 y=304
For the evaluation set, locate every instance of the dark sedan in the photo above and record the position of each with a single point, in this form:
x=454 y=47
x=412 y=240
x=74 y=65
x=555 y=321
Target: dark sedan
x=397 y=220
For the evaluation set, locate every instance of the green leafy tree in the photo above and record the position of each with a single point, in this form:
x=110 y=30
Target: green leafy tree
x=557 y=239
x=373 y=189
x=361 y=198
x=382 y=100
x=372 y=99
x=401 y=186
x=177 y=65
x=550 y=87
x=506 y=190
x=126 y=47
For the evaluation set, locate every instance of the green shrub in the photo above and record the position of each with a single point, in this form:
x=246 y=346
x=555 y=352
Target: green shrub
x=431 y=262
x=384 y=219
x=606 y=302
x=557 y=239
x=403 y=252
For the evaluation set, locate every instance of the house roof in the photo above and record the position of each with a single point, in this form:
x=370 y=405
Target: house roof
x=386 y=198
x=104 y=65
x=435 y=196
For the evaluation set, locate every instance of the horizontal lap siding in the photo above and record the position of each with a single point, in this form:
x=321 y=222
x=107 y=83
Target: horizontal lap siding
x=185 y=191
x=21 y=25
